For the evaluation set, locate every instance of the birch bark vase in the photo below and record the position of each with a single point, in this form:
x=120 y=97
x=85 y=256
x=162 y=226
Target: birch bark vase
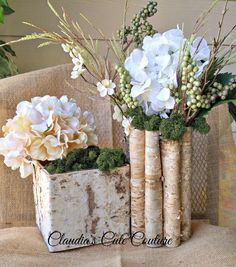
x=137 y=158
x=170 y=152
x=186 y=169
x=153 y=188
x=84 y=203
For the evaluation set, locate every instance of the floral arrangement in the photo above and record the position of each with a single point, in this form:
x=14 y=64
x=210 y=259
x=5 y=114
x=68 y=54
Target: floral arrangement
x=45 y=129
x=159 y=73
x=162 y=84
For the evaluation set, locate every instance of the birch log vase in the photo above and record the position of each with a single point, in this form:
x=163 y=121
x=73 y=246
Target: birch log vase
x=170 y=153
x=153 y=188
x=137 y=158
x=186 y=169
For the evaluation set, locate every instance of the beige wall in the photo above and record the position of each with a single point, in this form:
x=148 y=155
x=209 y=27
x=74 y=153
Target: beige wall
x=107 y=14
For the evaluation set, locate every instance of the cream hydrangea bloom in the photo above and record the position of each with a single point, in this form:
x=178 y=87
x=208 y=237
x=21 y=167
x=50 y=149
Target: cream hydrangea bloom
x=46 y=148
x=45 y=129
x=14 y=148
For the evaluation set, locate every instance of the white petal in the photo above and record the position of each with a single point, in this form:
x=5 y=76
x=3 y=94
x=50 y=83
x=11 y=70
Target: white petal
x=170 y=103
x=136 y=91
x=66 y=48
x=40 y=127
x=164 y=94
x=26 y=169
x=110 y=91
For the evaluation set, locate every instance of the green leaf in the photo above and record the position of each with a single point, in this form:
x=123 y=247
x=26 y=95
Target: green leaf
x=3 y=3
x=8 y=10
x=224 y=78
x=1 y=15
x=5 y=68
x=4 y=10
x=7 y=48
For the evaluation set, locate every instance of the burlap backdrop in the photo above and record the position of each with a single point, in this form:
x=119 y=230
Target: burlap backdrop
x=214 y=155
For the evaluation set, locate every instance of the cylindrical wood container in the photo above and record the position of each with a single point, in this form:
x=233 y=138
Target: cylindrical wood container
x=153 y=189
x=137 y=159
x=186 y=169
x=170 y=153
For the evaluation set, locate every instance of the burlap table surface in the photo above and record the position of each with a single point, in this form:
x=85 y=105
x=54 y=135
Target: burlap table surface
x=209 y=246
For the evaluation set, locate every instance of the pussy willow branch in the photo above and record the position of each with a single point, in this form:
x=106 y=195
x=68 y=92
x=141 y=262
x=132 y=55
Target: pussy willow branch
x=201 y=20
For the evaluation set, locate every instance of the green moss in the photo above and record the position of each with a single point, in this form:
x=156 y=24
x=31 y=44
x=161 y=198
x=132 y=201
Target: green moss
x=173 y=128
x=110 y=159
x=83 y=159
x=152 y=123
x=51 y=168
x=138 y=118
x=77 y=167
x=200 y=124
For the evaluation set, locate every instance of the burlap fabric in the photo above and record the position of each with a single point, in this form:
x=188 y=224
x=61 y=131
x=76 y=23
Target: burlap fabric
x=210 y=246
x=214 y=184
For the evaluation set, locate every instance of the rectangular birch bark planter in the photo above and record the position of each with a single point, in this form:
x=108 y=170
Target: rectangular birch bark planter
x=81 y=205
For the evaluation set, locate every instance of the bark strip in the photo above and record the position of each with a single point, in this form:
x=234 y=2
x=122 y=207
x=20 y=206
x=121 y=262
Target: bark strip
x=186 y=169
x=153 y=189
x=170 y=151
x=137 y=158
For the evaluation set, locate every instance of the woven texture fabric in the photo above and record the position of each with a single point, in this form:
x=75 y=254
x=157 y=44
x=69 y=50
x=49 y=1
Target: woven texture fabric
x=210 y=246
x=214 y=155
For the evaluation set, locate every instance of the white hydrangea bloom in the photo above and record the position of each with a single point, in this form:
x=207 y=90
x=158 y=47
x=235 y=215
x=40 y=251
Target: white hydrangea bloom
x=154 y=67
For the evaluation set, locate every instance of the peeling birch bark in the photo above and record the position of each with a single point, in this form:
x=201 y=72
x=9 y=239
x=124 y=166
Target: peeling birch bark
x=137 y=161
x=186 y=168
x=88 y=203
x=170 y=152
x=153 y=188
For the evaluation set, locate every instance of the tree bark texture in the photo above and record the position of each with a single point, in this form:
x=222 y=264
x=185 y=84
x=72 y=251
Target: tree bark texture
x=186 y=169
x=153 y=187
x=137 y=164
x=170 y=152
x=86 y=203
